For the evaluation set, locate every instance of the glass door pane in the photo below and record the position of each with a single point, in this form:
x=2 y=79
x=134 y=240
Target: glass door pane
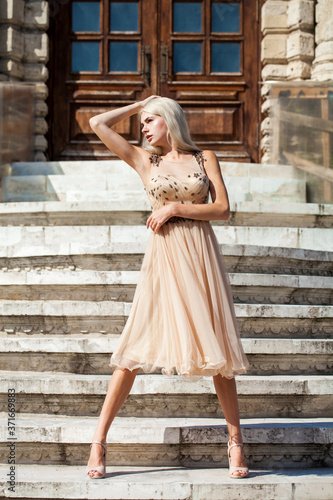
x=123 y=47
x=225 y=57
x=85 y=51
x=85 y=56
x=86 y=16
x=187 y=17
x=225 y=17
x=187 y=57
x=124 y=56
x=124 y=16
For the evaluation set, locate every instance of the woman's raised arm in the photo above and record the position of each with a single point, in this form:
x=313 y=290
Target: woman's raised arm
x=102 y=126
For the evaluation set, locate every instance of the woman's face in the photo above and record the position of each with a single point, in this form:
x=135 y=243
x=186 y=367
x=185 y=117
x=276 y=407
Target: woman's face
x=154 y=128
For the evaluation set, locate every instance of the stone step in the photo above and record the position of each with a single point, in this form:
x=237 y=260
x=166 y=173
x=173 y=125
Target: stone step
x=92 y=355
x=128 y=256
x=121 y=169
x=169 y=442
x=160 y=483
x=55 y=183
x=71 y=317
x=292 y=192
x=120 y=286
x=103 y=186
x=133 y=208
x=41 y=240
x=274 y=396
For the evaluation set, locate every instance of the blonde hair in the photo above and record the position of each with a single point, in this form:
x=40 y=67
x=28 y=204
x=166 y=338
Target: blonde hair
x=174 y=117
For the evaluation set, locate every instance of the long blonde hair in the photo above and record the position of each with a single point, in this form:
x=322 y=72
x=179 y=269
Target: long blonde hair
x=173 y=115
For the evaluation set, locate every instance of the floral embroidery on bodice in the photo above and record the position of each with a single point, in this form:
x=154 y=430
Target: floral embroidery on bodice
x=177 y=182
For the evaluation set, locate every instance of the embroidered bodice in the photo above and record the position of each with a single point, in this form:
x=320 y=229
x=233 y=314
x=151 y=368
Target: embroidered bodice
x=177 y=182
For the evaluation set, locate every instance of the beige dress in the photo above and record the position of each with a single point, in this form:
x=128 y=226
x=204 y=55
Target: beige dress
x=182 y=318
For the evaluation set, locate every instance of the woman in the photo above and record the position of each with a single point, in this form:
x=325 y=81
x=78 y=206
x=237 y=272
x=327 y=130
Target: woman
x=182 y=317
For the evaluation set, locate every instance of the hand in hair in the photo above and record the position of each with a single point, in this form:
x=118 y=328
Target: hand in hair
x=148 y=99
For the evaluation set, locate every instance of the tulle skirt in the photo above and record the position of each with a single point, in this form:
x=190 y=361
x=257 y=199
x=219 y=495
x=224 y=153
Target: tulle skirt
x=182 y=318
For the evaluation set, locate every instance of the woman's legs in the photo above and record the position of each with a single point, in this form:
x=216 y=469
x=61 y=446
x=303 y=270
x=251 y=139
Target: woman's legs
x=227 y=394
x=119 y=387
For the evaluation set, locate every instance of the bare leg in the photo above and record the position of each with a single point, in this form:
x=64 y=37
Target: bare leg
x=119 y=387
x=227 y=394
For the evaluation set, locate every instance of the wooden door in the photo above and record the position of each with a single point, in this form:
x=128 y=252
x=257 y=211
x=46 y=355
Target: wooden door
x=203 y=53
x=100 y=59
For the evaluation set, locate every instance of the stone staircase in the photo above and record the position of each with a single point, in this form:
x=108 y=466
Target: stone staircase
x=72 y=238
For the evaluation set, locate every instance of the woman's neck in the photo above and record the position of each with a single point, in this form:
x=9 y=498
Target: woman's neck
x=175 y=155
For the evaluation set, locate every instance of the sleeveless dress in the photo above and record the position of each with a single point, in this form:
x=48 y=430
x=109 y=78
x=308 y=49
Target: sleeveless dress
x=182 y=318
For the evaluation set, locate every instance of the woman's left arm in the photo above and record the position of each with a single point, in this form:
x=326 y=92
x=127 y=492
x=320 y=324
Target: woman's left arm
x=217 y=210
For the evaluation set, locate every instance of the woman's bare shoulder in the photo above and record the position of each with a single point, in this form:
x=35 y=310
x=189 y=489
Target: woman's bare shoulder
x=209 y=155
x=211 y=160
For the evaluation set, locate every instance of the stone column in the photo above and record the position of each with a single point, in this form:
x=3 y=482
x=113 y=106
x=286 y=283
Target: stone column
x=287 y=51
x=322 y=69
x=23 y=56
x=274 y=42
x=11 y=40
x=274 y=18
x=36 y=53
x=300 y=43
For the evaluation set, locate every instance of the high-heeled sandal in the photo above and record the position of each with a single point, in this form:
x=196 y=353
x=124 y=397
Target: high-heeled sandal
x=99 y=468
x=232 y=469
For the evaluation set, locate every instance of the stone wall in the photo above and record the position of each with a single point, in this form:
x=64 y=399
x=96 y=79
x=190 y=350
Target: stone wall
x=297 y=45
x=23 y=56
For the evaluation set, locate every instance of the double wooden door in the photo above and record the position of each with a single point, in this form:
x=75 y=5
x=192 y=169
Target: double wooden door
x=202 y=53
